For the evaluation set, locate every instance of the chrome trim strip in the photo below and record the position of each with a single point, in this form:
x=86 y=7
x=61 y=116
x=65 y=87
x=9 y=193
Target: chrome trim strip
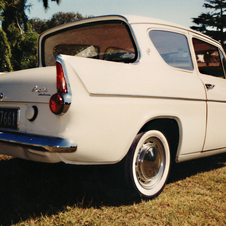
x=155 y=97
x=38 y=143
x=67 y=102
x=147 y=96
x=202 y=154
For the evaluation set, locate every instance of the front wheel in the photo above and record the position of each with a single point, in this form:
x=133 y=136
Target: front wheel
x=147 y=164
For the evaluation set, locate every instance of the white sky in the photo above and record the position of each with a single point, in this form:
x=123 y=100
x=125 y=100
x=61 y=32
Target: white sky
x=177 y=11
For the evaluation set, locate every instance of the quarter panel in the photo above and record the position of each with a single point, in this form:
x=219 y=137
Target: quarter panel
x=104 y=127
x=115 y=100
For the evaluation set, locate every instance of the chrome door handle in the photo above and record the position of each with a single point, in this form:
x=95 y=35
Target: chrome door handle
x=209 y=86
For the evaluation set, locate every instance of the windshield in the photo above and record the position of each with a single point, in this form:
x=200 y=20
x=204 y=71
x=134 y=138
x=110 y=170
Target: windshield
x=110 y=41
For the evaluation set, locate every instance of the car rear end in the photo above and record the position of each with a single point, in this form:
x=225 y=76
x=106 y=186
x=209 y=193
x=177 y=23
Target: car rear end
x=28 y=126
x=42 y=121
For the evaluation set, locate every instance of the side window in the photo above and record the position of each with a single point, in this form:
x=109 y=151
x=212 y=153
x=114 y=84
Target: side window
x=208 y=58
x=173 y=48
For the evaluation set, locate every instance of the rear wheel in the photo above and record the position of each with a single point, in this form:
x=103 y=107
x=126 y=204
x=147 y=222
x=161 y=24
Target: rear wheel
x=147 y=164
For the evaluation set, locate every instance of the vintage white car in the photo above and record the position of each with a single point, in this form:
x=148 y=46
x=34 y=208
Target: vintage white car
x=118 y=88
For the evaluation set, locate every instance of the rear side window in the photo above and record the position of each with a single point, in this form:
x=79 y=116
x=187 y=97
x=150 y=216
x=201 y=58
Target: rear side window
x=208 y=58
x=173 y=48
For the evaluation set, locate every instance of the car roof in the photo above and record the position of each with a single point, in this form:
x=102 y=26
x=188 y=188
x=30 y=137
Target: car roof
x=149 y=20
x=133 y=19
x=130 y=19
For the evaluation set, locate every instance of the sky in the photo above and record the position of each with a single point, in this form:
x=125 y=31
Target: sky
x=177 y=11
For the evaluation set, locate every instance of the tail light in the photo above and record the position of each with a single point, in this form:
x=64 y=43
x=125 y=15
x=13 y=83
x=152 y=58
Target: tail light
x=60 y=101
x=56 y=103
x=61 y=81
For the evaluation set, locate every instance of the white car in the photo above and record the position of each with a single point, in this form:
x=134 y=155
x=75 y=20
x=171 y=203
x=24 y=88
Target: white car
x=118 y=88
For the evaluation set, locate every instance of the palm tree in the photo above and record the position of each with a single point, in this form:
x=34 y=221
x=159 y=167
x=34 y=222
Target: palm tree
x=46 y=3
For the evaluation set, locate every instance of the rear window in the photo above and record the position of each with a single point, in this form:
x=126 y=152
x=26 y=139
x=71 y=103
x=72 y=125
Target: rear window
x=110 y=41
x=173 y=48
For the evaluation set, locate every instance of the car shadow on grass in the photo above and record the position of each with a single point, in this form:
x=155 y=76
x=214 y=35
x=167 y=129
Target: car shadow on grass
x=30 y=189
x=186 y=169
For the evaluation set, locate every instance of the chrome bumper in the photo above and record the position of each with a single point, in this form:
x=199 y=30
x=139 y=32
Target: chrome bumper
x=39 y=143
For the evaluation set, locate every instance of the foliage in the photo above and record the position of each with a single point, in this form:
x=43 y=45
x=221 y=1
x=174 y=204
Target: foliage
x=30 y=49
x=14 y=13
x=19 y=36
x=5 y=54
x=23 y=47
x=46 y=3
x=20 y=41
x=17 y=39
x=62 y=18
x=2 y=4
x=213 y=23
x=57 y=19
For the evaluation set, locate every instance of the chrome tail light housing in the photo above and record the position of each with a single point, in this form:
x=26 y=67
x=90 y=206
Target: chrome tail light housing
x=60 y=101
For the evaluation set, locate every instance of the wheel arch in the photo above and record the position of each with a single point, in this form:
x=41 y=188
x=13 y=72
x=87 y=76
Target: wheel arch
x=171 y=130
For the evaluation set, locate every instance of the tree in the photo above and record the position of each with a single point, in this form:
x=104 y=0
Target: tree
x=39 y=25
x=14 y=13
x=212 y=23
x=23 y=47
x=57 y=19
x=5 y=54
x=1 y=8
x=46 y=3
x=62 y=18
x=29 y=49
x=20 y=39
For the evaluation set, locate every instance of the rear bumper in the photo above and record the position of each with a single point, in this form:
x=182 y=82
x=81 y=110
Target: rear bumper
x=38 y=143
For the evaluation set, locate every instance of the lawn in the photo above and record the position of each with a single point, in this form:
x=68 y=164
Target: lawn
x=59 y=194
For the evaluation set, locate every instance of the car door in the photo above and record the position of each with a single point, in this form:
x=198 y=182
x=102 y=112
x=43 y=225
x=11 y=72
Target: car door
x=211 y=63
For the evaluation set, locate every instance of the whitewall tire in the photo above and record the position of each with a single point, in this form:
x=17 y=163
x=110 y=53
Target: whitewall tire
x=147 y=164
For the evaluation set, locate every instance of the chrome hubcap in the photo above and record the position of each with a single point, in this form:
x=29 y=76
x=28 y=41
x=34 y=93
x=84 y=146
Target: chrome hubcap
x=150 y=163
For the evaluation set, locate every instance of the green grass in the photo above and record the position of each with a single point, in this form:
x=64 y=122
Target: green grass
x=42 y=194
